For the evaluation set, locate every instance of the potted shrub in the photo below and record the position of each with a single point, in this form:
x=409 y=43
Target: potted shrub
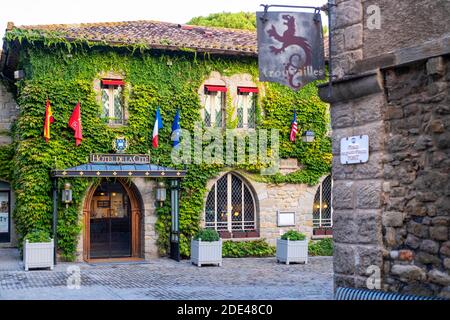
x=206 y=248
x=38 y=250
x=292 y=247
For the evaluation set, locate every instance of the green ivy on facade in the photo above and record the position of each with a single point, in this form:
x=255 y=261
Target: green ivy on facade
x=64 y=73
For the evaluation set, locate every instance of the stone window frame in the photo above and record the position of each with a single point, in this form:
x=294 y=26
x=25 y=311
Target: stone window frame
x=231 y=97
x=244 y=232
x=126 y=88
x=320 y=204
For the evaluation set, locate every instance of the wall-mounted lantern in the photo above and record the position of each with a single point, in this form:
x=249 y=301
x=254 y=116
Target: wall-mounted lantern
x=67 y=194
x=160 y=193
x=308 y=136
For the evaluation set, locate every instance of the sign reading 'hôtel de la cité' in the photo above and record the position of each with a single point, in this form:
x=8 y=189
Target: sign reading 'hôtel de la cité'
x=119 y=158
x=290 y=48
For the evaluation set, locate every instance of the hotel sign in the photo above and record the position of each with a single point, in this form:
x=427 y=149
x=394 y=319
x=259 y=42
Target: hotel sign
x=290 y=48
x=119 y=158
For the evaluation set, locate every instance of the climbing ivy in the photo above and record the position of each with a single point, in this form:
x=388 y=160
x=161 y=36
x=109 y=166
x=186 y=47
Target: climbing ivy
x=64 y=73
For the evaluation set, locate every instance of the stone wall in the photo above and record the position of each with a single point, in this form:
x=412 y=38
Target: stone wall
x=403 y=23
x=8 y=113
x=416 y=193
x=391 y=214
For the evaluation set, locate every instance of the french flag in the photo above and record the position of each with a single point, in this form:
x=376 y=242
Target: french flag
x=158 y=125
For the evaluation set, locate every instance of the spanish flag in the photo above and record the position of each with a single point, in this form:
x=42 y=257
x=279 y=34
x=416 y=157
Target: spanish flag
x=48 y=120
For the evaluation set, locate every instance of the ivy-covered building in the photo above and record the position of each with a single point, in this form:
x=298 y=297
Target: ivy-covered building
x=121 y=73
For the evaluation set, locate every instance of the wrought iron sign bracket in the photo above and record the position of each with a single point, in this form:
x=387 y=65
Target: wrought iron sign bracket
x=326 y=8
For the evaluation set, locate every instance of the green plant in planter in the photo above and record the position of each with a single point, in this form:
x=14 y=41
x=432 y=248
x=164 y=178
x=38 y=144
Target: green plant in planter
x=38 y=236
x=293 y=235
x=322 y=247
x=208 y=235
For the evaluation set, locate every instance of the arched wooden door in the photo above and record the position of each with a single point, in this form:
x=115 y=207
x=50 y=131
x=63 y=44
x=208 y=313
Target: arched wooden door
x=112 y=217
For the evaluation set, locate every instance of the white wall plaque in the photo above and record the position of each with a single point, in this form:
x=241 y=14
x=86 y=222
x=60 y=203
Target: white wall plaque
x=355 y=149
x=286 y=219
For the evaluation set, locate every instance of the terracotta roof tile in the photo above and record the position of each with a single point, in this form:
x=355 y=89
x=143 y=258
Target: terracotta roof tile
x=159 y=35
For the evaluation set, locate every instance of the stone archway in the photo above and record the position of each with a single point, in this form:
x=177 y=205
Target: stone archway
x=135 y=211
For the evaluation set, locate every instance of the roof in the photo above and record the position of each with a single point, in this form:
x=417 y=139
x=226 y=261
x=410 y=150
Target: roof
x=119 y=170
x=157 y=35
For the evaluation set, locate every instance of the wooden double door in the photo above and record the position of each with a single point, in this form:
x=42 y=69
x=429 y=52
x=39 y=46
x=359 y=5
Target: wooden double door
x=112 y=222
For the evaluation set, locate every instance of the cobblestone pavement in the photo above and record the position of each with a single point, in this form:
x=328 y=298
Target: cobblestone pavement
x=245 y=278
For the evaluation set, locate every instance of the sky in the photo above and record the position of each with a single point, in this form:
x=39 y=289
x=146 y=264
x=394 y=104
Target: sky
x=30 y=12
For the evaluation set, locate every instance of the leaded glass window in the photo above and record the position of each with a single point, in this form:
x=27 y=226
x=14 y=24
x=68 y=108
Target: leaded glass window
x=230 y=205
x=246 y=109
x=214 y=109
x=322 y=210
x=112 y=104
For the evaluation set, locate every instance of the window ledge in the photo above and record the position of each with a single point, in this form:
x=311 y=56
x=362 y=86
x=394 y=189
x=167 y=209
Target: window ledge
x=116 y=125
x=319 y=237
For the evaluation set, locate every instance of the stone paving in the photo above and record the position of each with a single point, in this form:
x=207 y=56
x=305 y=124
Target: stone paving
x=165 y=279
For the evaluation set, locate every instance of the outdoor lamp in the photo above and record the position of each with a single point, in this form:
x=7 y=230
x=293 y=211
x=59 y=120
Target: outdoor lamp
x=308 y=136
x=160 y=193
x=67 y=194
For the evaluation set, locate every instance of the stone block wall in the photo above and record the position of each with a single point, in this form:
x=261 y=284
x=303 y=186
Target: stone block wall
x=357 y=190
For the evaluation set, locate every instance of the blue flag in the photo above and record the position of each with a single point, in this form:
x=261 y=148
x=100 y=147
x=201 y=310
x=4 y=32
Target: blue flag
x=176 y=130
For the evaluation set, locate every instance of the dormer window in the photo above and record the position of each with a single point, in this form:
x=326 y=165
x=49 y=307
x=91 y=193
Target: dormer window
x=246 y=107
x=214 y=115
x=112 y=100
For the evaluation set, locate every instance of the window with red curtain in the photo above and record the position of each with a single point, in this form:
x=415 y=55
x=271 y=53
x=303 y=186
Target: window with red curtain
x=214 y=112
x=246 y=107
x=112 y=100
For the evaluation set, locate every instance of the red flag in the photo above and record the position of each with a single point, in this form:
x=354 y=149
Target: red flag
x=48 y=120
x=75 y=124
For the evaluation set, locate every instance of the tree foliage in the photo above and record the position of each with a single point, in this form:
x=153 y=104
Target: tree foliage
x=239 y=20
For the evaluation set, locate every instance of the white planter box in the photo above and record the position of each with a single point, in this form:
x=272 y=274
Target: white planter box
x=292 y=251
x=38 y=255
x=204 y=252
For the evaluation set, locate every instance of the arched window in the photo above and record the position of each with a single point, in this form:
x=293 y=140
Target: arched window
x=230 y=206
x=322 y=211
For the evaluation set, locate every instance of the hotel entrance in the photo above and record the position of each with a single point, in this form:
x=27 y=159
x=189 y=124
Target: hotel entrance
x=113 y=209
x=110 y=222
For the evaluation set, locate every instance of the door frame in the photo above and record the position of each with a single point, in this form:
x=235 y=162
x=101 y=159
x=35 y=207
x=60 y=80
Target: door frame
x=136 y=215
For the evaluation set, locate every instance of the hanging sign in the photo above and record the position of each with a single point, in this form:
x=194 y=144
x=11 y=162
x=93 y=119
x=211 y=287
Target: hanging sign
x=355 y=149
x=290 y=48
